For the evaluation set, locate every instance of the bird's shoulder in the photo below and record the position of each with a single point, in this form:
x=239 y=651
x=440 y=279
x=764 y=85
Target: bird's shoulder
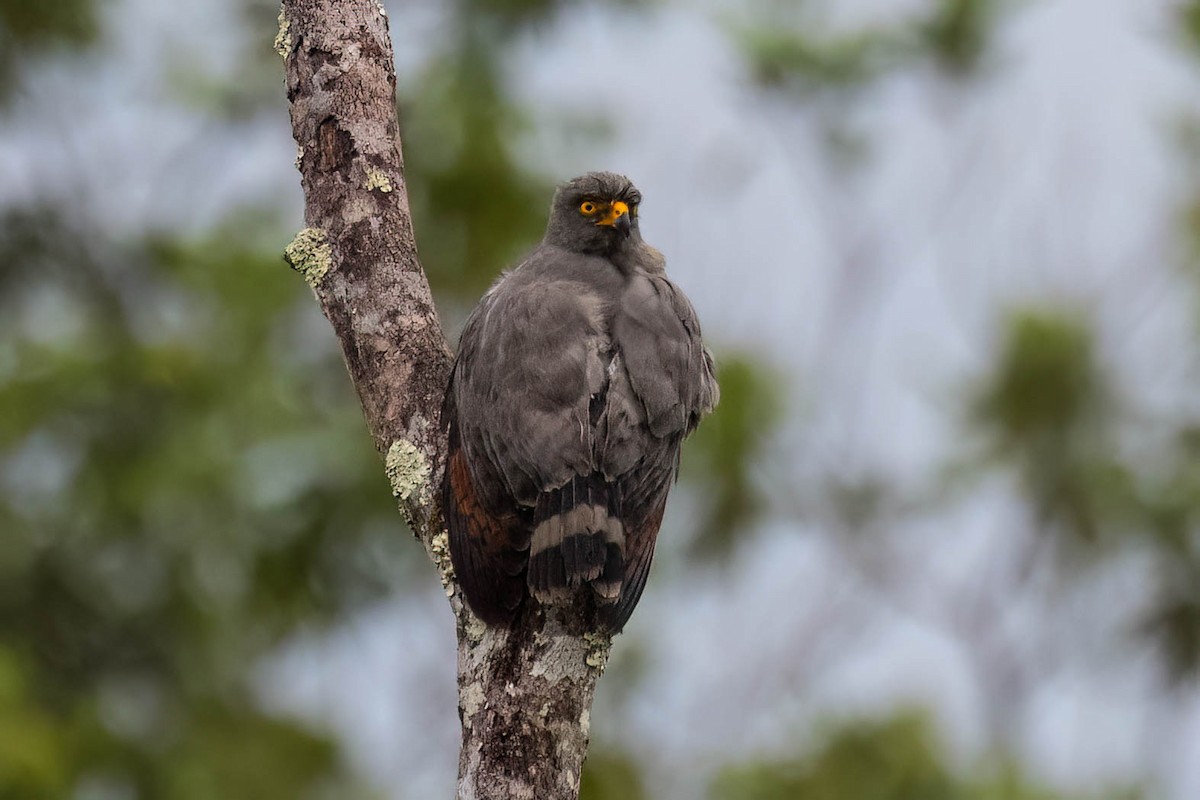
x=551 y=283
x=658 y=333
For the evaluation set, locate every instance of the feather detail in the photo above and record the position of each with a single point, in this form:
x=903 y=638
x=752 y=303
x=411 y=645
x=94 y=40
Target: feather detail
x=575 y=530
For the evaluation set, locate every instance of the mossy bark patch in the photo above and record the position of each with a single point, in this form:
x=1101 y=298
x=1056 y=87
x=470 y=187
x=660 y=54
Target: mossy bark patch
x=310 y=255
x=598 y=646
x=378 y=179
x=407 y=469
x=439 y=548
x=283 y=39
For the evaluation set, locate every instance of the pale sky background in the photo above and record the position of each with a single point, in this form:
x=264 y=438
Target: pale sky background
x=879 y=296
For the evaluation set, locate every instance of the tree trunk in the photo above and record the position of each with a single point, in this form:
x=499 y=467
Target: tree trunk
x=525 y=694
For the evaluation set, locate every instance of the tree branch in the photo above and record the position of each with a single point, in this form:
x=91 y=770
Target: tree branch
x=525 y=694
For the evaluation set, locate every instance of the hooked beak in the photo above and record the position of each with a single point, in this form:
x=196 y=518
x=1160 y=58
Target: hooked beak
x=624 y=224
x=618 y=217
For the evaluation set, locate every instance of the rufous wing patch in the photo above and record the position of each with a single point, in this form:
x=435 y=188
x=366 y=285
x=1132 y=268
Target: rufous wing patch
x=484 y=548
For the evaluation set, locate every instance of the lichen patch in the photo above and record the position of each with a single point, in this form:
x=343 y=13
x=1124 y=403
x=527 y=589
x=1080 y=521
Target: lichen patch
x=409 y=471
x=473 y=698
x=283 y=39
x=439 y=548
x=475 y=628
x=378 y=179
x=310 y=255
x=598 y=646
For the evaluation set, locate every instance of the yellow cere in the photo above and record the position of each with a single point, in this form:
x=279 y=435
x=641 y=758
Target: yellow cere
x=617 y=210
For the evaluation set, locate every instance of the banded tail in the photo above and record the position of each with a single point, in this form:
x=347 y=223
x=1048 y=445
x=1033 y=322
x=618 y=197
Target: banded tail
x=578 y=538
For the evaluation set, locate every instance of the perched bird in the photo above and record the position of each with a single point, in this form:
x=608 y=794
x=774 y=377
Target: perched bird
x=577 y=378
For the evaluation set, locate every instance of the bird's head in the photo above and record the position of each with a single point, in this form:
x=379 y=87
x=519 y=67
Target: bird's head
x=595 y=213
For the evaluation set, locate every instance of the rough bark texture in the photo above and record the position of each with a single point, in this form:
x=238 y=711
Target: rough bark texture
x=524 y=694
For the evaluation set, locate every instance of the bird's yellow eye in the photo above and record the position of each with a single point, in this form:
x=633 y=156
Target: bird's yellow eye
x=587 y=207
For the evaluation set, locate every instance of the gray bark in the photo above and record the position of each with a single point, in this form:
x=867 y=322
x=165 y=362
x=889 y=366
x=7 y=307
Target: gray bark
x=524 y=694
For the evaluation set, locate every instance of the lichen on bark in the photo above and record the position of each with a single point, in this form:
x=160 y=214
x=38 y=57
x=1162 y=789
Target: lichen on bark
x=408 y=471
x=283 y=39
x=310 y=255
x=377 y=179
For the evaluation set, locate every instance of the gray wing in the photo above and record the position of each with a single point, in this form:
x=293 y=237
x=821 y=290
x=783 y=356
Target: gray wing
x=530 y=359
x=523 y=501
x=670 y=371
x=662 y=383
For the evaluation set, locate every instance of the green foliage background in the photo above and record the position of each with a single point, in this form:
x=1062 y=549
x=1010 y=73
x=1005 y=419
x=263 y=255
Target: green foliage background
x=186 y=480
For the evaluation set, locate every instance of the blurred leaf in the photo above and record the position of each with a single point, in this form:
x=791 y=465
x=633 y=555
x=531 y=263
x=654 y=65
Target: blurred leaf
x=781 y=58
x=33 y=25
x=957 y=33
x=511 y=16
x=1174 y=625
x=1045 y=412
x=224 y=754
x=1189 y=22
x=184 y=478
x=728 y=446
x=812 y=57
x=510 y=12
x=34 y=759
x=892 y=759
x=28 y=27
x=610 y=776
x=1047 y=381
x=475 y=208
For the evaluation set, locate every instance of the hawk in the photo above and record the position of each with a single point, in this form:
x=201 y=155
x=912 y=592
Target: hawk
x=578 y=376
